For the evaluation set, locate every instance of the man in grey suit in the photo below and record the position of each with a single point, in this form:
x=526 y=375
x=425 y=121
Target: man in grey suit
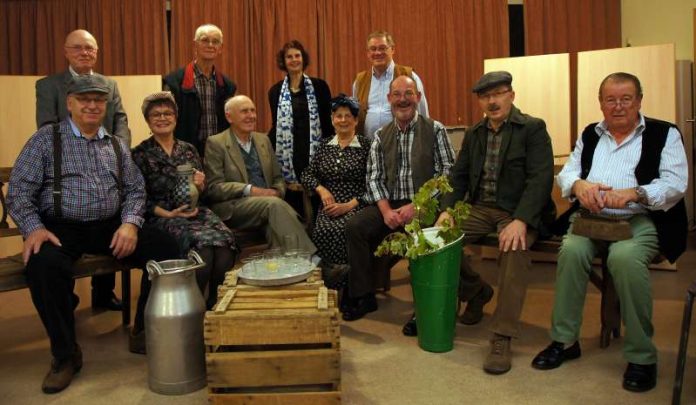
x=51 y=93
x=245 y=185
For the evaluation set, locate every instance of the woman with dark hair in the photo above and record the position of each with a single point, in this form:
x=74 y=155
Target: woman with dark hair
x=301 y=115
x=337 y=174
x=194 y=228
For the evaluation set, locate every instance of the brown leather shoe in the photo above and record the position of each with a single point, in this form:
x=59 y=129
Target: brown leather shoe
x=61 y=373
x=499 y=359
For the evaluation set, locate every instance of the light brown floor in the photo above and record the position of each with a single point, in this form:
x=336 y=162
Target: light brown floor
x=379 y=365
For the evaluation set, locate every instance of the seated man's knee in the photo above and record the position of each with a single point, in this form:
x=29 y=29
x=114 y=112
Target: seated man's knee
x=46 y=263
x=625 y=262
x=575 y=248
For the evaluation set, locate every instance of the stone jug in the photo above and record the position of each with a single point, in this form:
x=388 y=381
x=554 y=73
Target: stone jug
x=174 y=327
x=185 y=191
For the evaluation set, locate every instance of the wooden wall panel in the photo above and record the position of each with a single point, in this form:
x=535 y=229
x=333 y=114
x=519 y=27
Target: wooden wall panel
x=542 y=89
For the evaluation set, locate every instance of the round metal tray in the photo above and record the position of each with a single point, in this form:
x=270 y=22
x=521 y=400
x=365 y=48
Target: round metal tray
x=282 y=276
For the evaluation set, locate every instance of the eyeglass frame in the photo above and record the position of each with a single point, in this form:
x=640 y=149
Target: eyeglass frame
x=88 y=100
x=623 y=102
x=380 y=49
x=79 y=49
x=497 y=95
x=210 y=41
x=162 y=114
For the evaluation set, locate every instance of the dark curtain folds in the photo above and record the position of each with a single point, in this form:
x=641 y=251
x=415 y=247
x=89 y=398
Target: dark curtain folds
x=132 y=35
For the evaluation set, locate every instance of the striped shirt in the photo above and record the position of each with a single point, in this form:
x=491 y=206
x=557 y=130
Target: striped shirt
x=443 y=155
x=615 y=165
x=205 y=87
x=90 y=189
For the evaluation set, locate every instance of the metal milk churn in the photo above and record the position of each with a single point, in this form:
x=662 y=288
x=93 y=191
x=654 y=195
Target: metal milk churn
x=185 y=191
x=174 y=327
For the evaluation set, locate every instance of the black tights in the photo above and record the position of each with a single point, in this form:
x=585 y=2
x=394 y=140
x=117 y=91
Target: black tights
x=218 y=260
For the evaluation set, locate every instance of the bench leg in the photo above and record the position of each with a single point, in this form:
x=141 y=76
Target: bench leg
x=681 y=358
x=126 y=297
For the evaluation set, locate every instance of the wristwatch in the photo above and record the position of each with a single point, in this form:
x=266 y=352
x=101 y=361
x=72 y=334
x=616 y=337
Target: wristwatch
x=642 y=195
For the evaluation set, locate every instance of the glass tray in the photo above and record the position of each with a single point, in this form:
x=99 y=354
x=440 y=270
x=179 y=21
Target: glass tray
x=275 y=272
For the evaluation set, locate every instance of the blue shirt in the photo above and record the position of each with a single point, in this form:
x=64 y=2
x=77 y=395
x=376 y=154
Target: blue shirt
x=615 y=165
x=89 y=183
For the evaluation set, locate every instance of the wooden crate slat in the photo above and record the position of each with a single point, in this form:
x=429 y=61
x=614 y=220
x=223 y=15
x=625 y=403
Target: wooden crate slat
x=294 y=398
x=274 y=368
x=281 y=330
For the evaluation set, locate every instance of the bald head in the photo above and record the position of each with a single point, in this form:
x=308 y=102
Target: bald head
x=81 y=51
x=240 y=112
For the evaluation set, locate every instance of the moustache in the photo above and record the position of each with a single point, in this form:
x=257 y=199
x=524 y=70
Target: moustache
x=493 y=107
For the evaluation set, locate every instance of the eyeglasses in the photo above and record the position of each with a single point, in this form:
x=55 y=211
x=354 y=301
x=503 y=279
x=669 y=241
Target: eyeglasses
x=380 y=49
x=493 y=95
x=89 y=100
x=210 y=41
x=79 y=49
x=161 y=114
x=623 y=102
x=407 y=94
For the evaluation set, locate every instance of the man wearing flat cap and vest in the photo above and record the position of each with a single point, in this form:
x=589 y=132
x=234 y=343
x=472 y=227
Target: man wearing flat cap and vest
x=74 y=189
x=371 y=87
x=632 y=170
x=505 y=171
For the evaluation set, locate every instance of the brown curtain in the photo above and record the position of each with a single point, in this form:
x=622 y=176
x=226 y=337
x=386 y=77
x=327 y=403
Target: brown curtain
x=445 y=41
x=447 y=51
x=560 y=26
x=132 y=35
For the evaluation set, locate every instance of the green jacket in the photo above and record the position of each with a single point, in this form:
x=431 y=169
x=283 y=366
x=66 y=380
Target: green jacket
x=525 y=170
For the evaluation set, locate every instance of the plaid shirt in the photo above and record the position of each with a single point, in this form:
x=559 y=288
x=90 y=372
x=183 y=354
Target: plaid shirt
x=443 y=155
x=489 y=186
x=205 y=87
x=90 y=190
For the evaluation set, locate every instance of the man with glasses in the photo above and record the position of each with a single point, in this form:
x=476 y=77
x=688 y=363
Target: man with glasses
x=74 y=189
x=405 y=153
x=632 y=168
x=371 y=86
x=200 y=90
x=81 y=50
x=505 y=171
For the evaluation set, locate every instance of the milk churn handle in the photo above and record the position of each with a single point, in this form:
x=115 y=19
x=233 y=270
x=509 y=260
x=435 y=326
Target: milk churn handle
x=153 y=269
x=194 y=256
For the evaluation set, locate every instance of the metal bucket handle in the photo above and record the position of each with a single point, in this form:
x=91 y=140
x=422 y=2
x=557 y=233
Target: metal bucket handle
x=153 y=269
x=195 y=257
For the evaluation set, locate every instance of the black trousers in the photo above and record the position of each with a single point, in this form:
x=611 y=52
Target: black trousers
x=49 y=272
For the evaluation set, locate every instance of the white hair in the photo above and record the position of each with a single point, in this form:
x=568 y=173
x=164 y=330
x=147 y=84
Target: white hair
x=206 y=29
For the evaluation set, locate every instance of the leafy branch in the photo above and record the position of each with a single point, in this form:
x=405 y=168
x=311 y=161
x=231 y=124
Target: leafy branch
x=413 y=243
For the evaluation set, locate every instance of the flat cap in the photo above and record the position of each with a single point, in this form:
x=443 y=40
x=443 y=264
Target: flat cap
x=492 y=79
x=87 y=84
x=160 y=96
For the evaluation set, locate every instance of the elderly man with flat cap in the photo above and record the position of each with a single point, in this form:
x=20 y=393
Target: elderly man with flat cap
x=505 y=171
x=74 y=189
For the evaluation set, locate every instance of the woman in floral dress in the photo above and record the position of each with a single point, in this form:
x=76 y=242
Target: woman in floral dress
x=198 y=228
x=337 y=174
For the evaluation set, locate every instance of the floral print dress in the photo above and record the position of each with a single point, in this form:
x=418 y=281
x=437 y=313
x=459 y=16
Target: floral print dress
x=159 y=171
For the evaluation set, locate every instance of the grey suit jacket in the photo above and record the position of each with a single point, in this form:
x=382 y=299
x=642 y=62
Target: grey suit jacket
x=226 y=173
x=51 y=107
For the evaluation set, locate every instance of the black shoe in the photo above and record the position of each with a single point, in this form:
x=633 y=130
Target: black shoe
x=554 y=355
x=640 y=377
x=109 y=303
x=359 y=307
x=75 y=301
x=410 y=328
x=474 y=308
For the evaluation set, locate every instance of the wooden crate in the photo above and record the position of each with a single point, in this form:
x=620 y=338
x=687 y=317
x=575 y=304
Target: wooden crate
x=277 y=345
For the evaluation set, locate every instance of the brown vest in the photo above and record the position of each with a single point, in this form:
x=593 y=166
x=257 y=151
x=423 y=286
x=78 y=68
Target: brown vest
x=362 y=88
x=422 y=159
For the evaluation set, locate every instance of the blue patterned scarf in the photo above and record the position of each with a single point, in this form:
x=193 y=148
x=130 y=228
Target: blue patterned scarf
x=284 y=137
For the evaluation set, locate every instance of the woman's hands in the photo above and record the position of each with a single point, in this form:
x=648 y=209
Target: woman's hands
x=199 y=180
x=181 y=212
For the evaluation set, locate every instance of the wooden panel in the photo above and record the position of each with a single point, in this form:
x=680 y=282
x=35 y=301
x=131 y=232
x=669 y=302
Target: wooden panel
x=297 y=328
x=274 y=368
x=295 y=398
x=542 y=89
x=653 y=65
x=133 y=90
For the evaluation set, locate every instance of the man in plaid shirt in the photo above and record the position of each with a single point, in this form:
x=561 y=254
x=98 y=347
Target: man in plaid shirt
x=89 y=200
x=404 y=154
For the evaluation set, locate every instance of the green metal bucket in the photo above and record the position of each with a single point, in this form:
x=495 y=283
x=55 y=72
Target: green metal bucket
x=435 y=282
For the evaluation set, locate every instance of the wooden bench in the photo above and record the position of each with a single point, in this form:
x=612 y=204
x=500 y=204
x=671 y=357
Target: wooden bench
x=12 y=268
